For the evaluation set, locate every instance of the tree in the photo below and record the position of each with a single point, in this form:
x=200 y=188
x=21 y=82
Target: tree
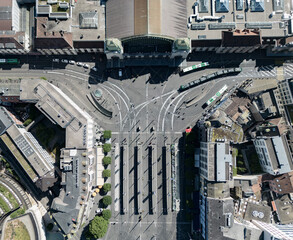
x=107 y=134
x=98 y=227
x=107 y=147
x=107 y=200
x=107 y=160
x=106 y=173
x=106 y=214
x=107 y=187
x=27 y=122
x=50 y=226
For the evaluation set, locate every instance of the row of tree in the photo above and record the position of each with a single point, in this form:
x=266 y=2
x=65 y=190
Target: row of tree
x=98 y=227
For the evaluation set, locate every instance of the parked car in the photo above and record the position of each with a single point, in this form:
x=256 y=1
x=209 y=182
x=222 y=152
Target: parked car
x=99 y=210
x=79 y=64
x=94 y=69
x=86 y=65
x=64 y=60
x=72 y=62
x=55 y=60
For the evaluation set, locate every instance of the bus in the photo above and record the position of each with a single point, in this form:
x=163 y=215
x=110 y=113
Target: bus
x=9 y=61
x=193 y=68
x=213 y=98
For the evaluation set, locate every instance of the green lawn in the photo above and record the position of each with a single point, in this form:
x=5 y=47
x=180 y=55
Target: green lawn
x=4 y=206
x=241 y=168
x=18 y=156
x=9 y=196
x=17 y=213
x=234 y=171
x=56 y=8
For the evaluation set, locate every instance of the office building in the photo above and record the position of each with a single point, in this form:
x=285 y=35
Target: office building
x=274 y=154
x=25 y=153
x=14 y=34
x=216 y=161
x=78 y=160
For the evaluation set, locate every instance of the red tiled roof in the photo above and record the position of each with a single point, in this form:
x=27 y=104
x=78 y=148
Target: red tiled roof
x=6 y=3
x=12 y=39
x=5 y=25
x=45 y=39
x=240 y=38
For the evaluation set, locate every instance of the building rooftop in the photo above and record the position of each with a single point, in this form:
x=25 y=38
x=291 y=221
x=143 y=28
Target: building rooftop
x=257 y=212
x=47 y=36
x=222 y=6
x=12 y=26
x=78 y=163
x=222 y=15
x=87 y=25
x=61 y=110
x=5 y=120
x=217 y=161
x=19 y=157
x=284 y=209
x=257 y=5
x=75 y=182
x=243 y=230
x=278 y=150
x=9 y=89
x=37 y=157
x=277 y=231
x=88 y=20
x=219 y=216
x=142 y=17
x=223 y=162
x=92 y=12
x=6 y=15
x=282 y=184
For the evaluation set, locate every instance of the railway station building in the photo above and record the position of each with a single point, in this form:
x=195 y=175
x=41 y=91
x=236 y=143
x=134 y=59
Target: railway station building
x=146 y=32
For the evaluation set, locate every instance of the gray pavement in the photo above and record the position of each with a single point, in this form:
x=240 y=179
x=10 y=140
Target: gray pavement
x=149 y=116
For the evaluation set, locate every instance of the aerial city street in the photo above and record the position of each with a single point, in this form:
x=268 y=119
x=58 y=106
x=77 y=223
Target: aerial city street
x=146 y=120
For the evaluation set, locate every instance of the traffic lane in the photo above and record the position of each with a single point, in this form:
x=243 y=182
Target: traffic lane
x=187 y=116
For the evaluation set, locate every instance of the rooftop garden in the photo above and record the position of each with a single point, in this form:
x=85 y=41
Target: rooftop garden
x=16 y=230
x=235 y=133
x=55 y=6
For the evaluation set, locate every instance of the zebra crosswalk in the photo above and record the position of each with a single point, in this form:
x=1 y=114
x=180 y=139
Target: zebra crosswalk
x=288 y=71
x=260 y=72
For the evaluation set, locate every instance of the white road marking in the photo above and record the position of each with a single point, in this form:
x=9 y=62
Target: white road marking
x=121 y=90
x=118 y=95
x=158 y=125
x=120 y=115
x=174 y=110
x=181 y=97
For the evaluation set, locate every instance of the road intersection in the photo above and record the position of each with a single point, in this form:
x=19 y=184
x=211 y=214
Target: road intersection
x=149 y=118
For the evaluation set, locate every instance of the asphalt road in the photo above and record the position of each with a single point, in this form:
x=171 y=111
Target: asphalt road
x=149 y=116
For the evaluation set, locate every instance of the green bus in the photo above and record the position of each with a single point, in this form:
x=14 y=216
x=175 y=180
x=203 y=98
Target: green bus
x=9 y=61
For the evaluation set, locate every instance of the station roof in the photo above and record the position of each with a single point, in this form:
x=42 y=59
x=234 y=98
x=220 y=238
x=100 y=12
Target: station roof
x=146 y=17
